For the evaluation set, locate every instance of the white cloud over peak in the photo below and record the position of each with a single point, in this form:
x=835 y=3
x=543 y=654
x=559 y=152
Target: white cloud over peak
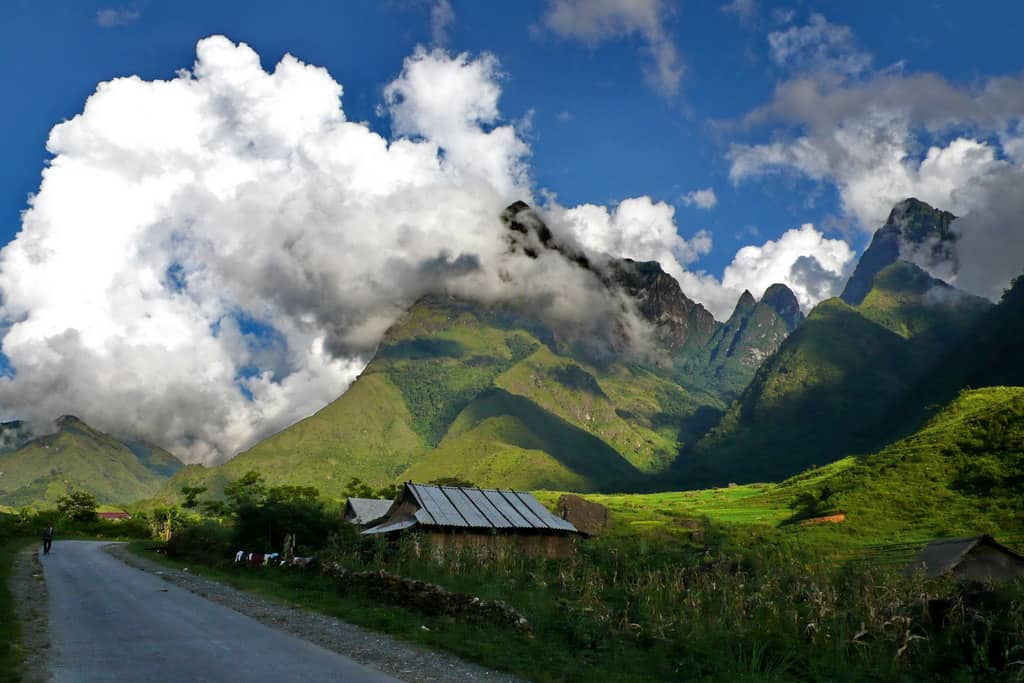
x=813 y=266
x=637 y=228
x=596 y=21
x=702 y=199
x=881 y=136
x=212 y=257
x=229 y=232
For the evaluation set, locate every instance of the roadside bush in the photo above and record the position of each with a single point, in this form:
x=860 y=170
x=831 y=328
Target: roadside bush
x=264 y=516
x=205 y=541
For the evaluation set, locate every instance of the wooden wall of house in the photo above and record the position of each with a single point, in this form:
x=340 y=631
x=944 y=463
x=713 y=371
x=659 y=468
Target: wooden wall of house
x=986 y=562
x=556 y=546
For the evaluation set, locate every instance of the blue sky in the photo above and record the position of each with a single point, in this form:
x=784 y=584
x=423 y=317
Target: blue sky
x=623 y=139
x=219 y=245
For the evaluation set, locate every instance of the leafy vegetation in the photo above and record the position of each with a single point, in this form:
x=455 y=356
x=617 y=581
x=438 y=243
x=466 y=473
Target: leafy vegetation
x=78 y=506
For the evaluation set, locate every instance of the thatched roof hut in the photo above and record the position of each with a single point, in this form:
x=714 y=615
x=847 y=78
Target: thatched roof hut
x=979 y=558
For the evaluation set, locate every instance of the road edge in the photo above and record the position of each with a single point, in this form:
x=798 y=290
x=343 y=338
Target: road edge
x=27 y=584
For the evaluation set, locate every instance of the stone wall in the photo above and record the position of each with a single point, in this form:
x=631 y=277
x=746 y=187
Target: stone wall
x=427 y=597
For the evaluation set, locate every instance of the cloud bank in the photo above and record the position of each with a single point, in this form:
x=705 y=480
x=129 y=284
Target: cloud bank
x=213 y=257
x=882 y=135
x=813 y=266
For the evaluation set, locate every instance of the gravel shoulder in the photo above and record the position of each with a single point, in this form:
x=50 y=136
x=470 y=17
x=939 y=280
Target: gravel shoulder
x=28 y=588
x=381 y=652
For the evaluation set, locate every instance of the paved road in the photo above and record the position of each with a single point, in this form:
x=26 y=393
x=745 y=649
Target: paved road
x=109 y=622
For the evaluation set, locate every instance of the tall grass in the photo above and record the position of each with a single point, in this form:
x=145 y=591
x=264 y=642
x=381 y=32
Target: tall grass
x=639 y=613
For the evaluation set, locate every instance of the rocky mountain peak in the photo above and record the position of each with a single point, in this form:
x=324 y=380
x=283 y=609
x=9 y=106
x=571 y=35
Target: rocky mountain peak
x=915 y=232
x=783 y=301
x=661 y=301
x=528 y=234
x=658 y=297
x=745 y=304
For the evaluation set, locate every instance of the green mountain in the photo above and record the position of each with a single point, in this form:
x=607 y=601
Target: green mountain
x=490 y=394
x=78 y=457
x=989 y=355
x=726 y=363
x=837 y=384
x=484 y=394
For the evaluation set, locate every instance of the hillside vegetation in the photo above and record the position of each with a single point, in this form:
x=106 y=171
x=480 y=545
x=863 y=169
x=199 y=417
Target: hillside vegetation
x=78 y=457
x=843 y=383
x=484 y=394
x=959 y=475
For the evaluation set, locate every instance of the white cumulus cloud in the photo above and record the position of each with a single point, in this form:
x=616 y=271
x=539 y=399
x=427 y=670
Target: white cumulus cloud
x=212 y=257
x=881 y=136
x=813 y=266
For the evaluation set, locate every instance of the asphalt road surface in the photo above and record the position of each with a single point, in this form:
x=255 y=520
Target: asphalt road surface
x=110 y=622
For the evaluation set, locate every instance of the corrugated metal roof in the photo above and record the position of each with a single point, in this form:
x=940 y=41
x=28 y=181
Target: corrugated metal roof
x=366 y=510
x=551 y=520
x=455 y=506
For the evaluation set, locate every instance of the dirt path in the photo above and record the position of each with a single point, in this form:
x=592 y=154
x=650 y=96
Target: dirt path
x=381 y=652
x=31 y=608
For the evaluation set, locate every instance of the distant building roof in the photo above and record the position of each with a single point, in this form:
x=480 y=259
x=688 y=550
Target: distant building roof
x=469 y=508
x=366 y=510
x=942 y=557
x=113 y=515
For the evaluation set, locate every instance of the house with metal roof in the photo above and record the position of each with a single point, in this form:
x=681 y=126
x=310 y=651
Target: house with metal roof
x=462 y=516
x=979 y=558
x=365 y=511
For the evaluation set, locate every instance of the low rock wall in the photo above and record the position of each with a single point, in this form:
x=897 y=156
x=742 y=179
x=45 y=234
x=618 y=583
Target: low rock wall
x=427 y=597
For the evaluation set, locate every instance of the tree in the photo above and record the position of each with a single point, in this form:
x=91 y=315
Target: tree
x=249 y=489
x=357 y=488
x=164 y=522
x=279 y=512
x=191 y=493
x=79 y=506
x=214 y=508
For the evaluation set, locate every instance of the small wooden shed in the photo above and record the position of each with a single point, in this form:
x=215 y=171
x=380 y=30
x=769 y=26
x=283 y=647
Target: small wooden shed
x=365 y=511
x=979 y=558
x=460 y=516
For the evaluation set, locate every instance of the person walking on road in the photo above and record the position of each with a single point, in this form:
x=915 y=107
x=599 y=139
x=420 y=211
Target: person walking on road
x=47 y=539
